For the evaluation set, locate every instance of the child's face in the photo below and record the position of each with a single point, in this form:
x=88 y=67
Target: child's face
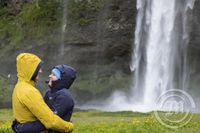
x=52 y=77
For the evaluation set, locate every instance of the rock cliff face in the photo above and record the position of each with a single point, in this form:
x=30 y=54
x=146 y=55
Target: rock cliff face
x=97 y=41
x=99 y=47
x=110 y=37
x=101 y=50
x=194 y=45
x=194 y=49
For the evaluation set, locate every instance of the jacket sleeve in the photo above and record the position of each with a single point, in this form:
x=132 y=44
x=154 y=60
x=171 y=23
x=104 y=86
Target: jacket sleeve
x=34 y=102
x=63 y=106
x=31 y=127
x=46 y=96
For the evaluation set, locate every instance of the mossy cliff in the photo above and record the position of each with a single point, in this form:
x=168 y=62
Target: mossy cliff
x=94 y=36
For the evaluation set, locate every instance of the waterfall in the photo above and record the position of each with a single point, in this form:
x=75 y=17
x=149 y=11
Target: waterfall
x=159 y=60
x=63 y=28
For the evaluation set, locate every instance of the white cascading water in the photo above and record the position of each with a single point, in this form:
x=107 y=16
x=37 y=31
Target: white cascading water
x=159 y=60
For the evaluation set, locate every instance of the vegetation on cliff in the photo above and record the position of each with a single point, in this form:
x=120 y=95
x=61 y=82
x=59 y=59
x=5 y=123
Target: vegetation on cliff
x=25 y=21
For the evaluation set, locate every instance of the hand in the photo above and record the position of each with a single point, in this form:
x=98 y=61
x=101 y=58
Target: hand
x=50 y=82
x=14 y=126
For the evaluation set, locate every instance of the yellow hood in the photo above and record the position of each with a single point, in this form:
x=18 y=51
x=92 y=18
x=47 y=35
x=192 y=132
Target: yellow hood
x=26 y=66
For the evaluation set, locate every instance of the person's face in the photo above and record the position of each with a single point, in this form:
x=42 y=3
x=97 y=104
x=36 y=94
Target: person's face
x=37 y=78
x=52 y=77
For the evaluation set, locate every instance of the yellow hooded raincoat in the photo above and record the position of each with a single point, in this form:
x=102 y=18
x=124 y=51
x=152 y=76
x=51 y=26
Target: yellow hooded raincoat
x=28 y=103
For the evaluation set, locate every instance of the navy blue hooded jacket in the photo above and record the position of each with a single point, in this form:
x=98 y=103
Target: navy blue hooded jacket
x=58 y=98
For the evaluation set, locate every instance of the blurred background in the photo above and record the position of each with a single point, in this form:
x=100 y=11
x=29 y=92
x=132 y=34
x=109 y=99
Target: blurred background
x=96 y=37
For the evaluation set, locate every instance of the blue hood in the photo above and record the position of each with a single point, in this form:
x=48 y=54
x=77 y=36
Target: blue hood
x=68 y=75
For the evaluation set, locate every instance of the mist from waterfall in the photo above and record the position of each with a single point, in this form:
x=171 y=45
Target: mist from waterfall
x=159 y=59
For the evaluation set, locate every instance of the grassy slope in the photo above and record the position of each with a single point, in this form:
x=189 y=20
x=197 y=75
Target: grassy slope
x=114 y=122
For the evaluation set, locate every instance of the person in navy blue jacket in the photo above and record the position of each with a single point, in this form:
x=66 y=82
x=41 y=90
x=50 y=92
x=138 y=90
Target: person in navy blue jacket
x=58 y=98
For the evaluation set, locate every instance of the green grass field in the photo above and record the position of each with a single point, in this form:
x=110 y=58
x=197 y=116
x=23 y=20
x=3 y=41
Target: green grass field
x=114 y=122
